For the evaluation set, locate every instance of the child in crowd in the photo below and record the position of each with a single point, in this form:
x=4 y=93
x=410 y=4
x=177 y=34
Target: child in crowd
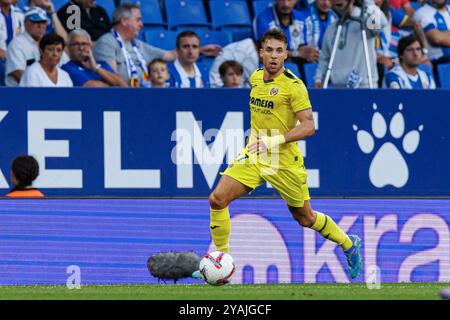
x=231 y=74
x=159 y=75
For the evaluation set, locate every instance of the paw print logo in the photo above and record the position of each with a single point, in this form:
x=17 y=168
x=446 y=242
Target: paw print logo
x=388 y=166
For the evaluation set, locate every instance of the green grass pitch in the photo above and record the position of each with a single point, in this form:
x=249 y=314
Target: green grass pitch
x=388 y=291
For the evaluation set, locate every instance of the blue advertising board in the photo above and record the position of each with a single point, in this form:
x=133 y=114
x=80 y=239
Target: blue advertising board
x=174 y=142
x=108 y=241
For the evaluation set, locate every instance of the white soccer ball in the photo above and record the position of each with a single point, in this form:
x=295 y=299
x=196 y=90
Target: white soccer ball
x=217 y=268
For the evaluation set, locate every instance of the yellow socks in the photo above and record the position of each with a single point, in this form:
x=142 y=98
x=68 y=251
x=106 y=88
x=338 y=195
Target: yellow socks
x=220 y=227
x=331 y=231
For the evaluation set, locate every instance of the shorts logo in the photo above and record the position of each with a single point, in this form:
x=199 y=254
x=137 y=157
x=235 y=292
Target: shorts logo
x=388 y=155
x=273 y=91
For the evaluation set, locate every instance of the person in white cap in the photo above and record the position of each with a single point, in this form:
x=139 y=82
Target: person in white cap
x=53 y=22
x=23 y=50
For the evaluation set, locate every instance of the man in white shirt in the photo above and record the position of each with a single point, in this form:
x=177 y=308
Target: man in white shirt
x=45 y=72
x=245 y=52
x=53 y=22
x=23 y=49
x=184 y=72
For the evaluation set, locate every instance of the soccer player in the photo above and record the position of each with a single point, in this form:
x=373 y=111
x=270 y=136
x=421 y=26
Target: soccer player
x=278 y=99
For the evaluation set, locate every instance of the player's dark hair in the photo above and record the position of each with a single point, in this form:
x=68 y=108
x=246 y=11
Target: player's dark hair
x=155 y=61
x=230 y=64
x=25 y=169
x=185 y=34
x=51 y=39
x=274 y=34
x=405 y=42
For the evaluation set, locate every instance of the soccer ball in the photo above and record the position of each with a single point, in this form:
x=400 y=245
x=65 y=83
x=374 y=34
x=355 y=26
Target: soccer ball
x=216 y=268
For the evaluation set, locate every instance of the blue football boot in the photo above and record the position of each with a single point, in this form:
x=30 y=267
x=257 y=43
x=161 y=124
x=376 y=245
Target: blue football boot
x=354 y=257
x=197 y=275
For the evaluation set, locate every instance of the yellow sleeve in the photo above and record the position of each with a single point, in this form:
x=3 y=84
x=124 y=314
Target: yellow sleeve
x=253 y=76
x=299 y=96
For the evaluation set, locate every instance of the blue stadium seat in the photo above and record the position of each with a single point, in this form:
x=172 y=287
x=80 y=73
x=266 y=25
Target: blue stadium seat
x=293 y=67
x=57 y=3
x=444 y=75
x=221 y=38
x=204 y=65
x=108 y=5
x=151 y=14
x=164 y=39
x=186 y=13
x=231 y=16
x=260 y=5
x=310 y=70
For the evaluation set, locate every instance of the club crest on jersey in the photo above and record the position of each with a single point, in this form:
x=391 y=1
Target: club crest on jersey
x=273 y=91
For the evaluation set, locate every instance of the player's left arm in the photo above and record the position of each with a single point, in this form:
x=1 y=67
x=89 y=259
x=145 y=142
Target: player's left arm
x=305 y=129
x=301 y=106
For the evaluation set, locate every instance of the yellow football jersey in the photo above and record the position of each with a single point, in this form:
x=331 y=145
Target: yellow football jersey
x=273 y=105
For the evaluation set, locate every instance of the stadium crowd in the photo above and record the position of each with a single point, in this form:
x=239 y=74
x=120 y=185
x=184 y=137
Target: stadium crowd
x=405 y=43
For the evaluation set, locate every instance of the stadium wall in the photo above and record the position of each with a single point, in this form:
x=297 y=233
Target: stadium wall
x=108 y=241
x=174 y=142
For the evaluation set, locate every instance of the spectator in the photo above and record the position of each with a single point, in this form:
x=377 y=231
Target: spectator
x=24 y=170
x=283 y=16
x=159 y=74
x=53 y=22
x=245 y=52
x=404 y=5
x=11 y=24
x=388 y=38
x=402 y=24
x=349 y=68
x=303 y=4
x=383 y=42
x=83 y=69
x=184 y=72
x=434 y=17
x=23 y=50
x=317 y=19
x=408 y=75
x=231 y=74
x=123 y=52
x=45 y=72
x=94 y=18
